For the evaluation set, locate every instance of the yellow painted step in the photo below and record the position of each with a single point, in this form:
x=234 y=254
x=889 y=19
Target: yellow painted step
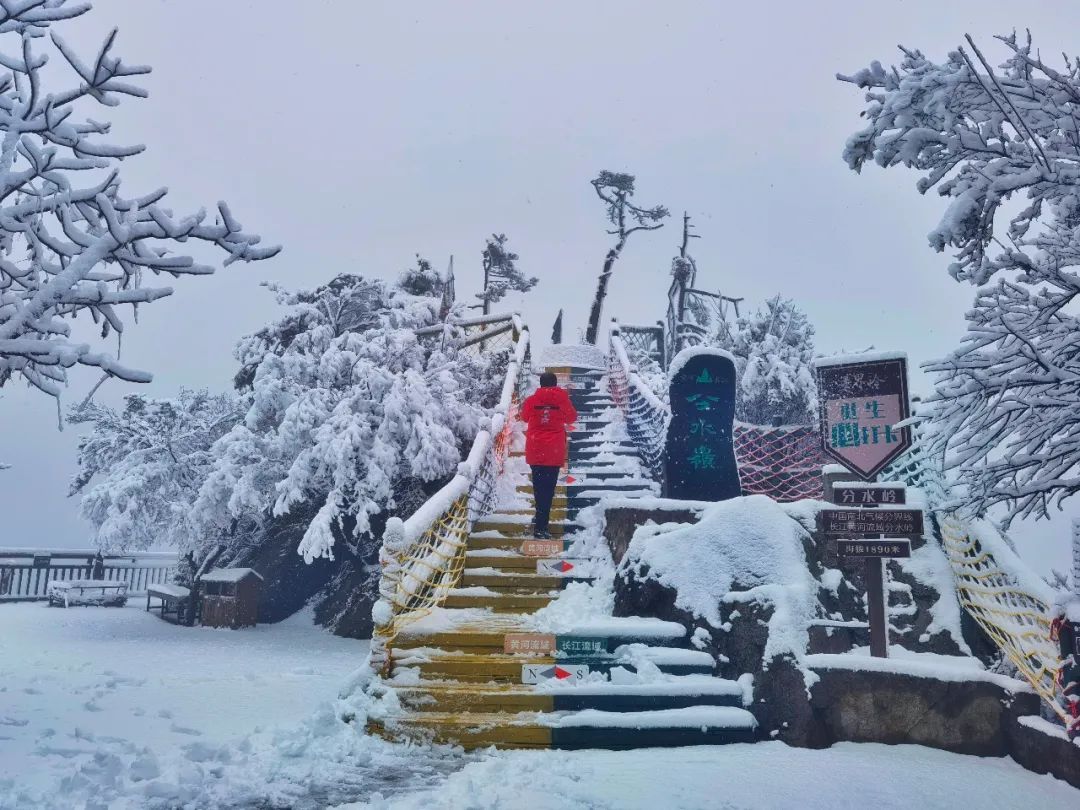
x=468 y=731
x=489 y=667
x=496 y=582
x=518 y=563
x=492 y=641
x=518 y=529
x=556 y=514
x=501 y=543
x=485 y=699
x=515 y=603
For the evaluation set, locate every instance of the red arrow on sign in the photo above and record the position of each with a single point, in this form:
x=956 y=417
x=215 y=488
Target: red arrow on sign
x=570 y=479
x=561 y=673
x=565 y=566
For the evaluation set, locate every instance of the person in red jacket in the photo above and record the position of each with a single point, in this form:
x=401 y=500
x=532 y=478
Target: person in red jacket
x=548 y=413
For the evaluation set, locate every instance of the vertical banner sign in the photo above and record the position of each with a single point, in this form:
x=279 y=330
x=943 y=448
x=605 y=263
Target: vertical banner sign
x=699 y=455
x=1076 y=558
x=862 y=399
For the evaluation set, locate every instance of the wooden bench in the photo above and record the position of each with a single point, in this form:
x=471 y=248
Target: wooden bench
x=175 y=599
x=87 y=592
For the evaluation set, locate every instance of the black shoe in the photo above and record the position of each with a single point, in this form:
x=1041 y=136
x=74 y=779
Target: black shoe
x=542 y=534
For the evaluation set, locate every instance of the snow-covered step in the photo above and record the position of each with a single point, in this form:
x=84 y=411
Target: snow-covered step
x=498 y=667
x=675 y=693
x=508 y=527
x=514 y=582
x=696 y=725
x=478 y=597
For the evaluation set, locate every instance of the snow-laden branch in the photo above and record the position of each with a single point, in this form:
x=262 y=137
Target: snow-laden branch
x=1006 y=413
x=69 y=241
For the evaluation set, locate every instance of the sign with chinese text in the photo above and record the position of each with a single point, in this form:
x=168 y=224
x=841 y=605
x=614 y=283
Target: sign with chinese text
x=535 y=643
x=42 y=560
x=846 y=495
x=861 y=403
x=542 y=548
x=541 y=673
x=699 y=454
x=575 y=646
x=860 y=523
x=873 y=548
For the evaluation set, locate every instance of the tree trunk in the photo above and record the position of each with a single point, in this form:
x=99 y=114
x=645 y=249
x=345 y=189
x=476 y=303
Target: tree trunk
x=593 y=331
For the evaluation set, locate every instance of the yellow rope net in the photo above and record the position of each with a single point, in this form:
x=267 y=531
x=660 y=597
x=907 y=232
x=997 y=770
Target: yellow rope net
x=422 y=558
x=1016 y=620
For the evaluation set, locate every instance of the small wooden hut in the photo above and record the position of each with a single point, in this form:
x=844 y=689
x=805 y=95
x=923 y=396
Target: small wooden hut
x=230 y=597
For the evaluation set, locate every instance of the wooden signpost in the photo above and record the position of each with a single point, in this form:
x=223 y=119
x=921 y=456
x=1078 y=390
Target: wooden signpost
x=863 y=399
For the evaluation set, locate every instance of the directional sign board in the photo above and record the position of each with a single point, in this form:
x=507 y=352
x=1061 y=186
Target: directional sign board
x=535 y=643
x=862 y=400
x=868 y=494
x=873 y=548
x=544 y=673
x=559 y=567
x=542 y=548
x=861 y=523
x=575 y=646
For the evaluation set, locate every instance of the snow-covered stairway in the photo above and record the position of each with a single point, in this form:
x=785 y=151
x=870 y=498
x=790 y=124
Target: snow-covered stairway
x=458 y=674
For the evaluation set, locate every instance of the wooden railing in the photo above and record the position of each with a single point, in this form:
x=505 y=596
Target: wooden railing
x=25 y=573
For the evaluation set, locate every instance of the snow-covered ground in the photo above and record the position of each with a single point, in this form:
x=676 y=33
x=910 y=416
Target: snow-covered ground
x=113 y=709
x=763 y=776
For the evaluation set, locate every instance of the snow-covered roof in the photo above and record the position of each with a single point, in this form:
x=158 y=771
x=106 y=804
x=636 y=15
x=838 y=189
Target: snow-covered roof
x=229 y=574
x=860 y=357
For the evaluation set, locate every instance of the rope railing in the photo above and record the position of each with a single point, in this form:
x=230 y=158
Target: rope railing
x=423 y=556
x=645 y=415
x=1009 y=603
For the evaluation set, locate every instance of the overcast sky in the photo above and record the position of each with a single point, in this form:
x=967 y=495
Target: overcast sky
x=357 y=134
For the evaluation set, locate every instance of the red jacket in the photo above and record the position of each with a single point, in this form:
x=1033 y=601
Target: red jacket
x=548 y=411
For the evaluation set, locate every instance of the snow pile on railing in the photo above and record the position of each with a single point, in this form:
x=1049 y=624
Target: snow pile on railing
x=646 y=416
x=1009 y=601
x=422 y=557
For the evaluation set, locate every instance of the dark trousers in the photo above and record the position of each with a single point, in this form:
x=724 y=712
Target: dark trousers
x=544 y=480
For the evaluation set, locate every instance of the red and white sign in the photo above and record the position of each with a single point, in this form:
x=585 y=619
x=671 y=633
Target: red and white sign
x=542 y=673
x=558 y=567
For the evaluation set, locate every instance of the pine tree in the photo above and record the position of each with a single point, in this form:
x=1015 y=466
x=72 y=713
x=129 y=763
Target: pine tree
x=773 y=348
x=616 y=189
x=501 y=273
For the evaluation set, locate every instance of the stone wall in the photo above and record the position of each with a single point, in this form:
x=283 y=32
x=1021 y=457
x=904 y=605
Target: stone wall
x=979 y=716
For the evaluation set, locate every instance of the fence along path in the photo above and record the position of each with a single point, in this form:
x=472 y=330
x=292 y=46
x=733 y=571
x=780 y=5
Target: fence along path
x=25 y=573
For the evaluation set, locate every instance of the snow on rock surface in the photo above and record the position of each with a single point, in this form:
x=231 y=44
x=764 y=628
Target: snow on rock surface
x=751 y=543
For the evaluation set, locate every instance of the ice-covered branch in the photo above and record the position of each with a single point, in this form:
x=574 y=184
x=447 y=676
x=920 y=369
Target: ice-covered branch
x=68 y=247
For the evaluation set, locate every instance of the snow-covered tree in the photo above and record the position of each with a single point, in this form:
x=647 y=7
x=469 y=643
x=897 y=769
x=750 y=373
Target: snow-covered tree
x=141 y=467
x=1006 y=401
x=773 y=349
x=616 y=189
x=923 y=466
x=349 y=414
x=501 y=273
x=70 y=242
